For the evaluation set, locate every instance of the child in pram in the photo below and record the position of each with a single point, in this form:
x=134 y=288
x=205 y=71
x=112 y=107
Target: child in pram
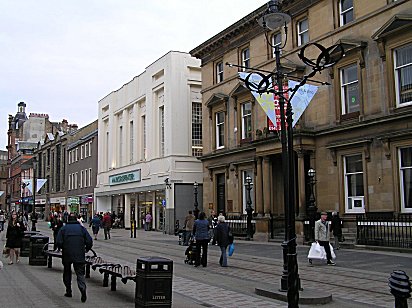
x=190 y=252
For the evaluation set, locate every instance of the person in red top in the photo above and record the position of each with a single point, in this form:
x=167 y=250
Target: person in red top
x=107 y=225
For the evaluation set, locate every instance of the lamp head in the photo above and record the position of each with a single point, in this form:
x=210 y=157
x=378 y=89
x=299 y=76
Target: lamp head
x=311 y=173
x=273 y=17
x=196 y=185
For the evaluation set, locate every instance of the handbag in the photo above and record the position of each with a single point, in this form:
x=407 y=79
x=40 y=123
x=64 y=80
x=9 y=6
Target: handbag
x=231 y=249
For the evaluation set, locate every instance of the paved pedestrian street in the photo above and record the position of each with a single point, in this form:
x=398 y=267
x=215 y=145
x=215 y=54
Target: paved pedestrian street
x=359 y=279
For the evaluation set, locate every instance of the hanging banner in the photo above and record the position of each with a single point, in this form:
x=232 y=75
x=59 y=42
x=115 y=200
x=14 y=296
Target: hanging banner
x=40 y=183
x=1 y=193
x=270 y=102
x=27 y=183
x=265 y=100
x=301 y=99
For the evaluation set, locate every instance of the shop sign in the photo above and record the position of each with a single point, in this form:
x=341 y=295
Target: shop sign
x=40 y=201
x=86 y=200
x=73 y=201
x=127 y=177
x=57 y=200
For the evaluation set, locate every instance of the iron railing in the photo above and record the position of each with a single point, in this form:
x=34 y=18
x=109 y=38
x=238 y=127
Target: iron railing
x=238 y=224
x=384 y=229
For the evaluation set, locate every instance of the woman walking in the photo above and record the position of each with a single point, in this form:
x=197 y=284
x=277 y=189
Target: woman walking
x=222 y=239
x=14 y=235
x=201 y=232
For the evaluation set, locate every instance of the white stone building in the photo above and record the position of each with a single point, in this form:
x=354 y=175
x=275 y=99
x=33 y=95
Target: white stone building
x=150 y=134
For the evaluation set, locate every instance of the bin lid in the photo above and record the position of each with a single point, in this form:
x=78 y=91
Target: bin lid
x=154 y=260
x=39 y=236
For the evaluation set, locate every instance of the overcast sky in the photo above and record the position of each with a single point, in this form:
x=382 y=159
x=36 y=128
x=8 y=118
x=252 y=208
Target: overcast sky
x=62 y=56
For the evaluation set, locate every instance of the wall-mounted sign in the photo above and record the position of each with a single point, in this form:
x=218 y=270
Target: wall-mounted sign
x=72 y=201
x=127 y=177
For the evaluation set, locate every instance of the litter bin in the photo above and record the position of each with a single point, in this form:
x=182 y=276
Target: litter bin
x=154 y=282
x=36 y=256
x=25 y=242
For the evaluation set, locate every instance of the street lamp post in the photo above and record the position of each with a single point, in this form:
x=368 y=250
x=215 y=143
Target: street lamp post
x=195 y=192
x=273 y=19
x=312 y=208
x=249 y=209
x=33 y=216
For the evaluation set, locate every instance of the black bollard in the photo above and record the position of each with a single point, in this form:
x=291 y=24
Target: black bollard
x=400 y=288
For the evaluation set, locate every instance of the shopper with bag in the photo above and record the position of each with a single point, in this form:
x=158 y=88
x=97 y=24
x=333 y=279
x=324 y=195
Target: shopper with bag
x=14 y=235
x=223 y=239
x=322 y=236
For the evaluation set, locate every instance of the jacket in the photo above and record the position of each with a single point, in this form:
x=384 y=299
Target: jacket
x=336 y=225
x=75 y=241
x=189 y=222
x=222 y=234
x=322 y=231
x=14 y=234
x=200 y=229
x=96 y=222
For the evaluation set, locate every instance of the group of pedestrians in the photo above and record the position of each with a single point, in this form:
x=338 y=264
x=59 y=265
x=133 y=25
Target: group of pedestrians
x=204 y=231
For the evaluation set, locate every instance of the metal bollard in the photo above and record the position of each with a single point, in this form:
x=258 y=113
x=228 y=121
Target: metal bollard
x=400 y=288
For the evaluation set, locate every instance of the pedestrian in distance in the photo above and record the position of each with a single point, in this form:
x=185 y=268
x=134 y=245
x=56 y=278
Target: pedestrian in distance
x=322 y=236
x=14 y=235
x=56 y=225
x=188 y=227
x=2 y=220
x=201 y=234
x=223 y=239
x=336 y=227
x=75 y=241
x=212 y=225
x=148 y=221
x=107 y=225
x=95 y=223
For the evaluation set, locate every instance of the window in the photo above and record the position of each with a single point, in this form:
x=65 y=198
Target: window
x=81 y=151
x=162 y=131
x=219 y=72
x=247 y=120
x=77 y=154
x=303 y=31
x=349 y=89
x=86 y=177
x=131 y=142
x=90 y=176
x=220 y=130
x=276 y=41
x=197 y=143
x=403 y=75
x=70 y=182
x=245 y=190
x=70 y=157
x=120 y=161
x=345 y=11
x=245 y=59
x=144 y=138
x=405 y=165
x=108 y=149
x=90 y=148
x=86 y=150
x=81 y=178
x=354 y=188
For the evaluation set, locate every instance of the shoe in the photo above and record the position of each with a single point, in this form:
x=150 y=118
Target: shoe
x=204 y=265
x=68 y=294
x=331 y=263
x=84 y=296
x=197 y=265
x=18 y=261
x=11 y=262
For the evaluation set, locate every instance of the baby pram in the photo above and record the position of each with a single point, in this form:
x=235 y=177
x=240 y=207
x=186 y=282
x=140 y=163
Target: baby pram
x=190 y=252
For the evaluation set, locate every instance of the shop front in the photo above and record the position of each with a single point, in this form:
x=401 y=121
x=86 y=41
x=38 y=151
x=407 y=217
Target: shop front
x=152 y=202
x=73 y=205
x=86 y=207
x=57 y=204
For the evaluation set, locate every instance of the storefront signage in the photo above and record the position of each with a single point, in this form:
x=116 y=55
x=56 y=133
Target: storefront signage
x=72 y=200
x=123 y=178
x=86 y=200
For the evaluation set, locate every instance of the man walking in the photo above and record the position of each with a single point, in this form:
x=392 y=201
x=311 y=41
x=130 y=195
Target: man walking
x=107 y=225
x=2 y=220
x=189 y=222
x=322 y=236
x=75 y=241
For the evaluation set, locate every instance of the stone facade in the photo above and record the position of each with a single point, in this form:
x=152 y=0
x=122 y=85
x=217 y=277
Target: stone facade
x=357 y=135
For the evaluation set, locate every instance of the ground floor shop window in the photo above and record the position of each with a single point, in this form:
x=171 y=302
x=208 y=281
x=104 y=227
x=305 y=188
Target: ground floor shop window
x=354 y=186
x=405 y=162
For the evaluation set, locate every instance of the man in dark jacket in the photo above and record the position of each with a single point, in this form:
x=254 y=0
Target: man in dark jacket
x=75 y=241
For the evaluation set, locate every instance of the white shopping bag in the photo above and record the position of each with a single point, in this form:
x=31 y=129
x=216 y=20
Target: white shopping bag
x=317 y=252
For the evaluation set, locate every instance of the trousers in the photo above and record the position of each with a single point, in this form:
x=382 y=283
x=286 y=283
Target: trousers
x=79 y=269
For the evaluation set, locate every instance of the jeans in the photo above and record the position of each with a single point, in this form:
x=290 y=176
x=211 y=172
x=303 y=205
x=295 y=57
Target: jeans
x=223 y=256
x=79 y=269
x=106 y=233
x=186 y=237
x=1 y=225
